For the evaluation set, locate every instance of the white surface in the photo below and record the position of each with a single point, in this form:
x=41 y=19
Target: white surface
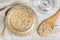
x=33 y=36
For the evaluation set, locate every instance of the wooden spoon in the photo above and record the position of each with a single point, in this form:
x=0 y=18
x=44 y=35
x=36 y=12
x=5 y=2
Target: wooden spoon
x=48 y=25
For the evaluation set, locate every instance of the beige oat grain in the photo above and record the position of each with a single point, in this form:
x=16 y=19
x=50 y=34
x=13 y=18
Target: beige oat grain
x=21 y=20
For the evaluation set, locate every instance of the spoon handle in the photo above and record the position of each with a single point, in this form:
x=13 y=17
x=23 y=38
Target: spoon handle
x=54 y=17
